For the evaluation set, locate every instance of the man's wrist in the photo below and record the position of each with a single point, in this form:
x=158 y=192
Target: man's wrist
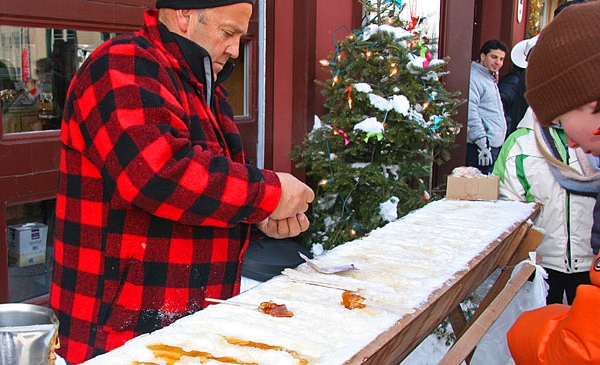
x=482 y=143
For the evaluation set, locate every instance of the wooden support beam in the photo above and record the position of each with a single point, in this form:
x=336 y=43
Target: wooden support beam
x=529 y=243
x=464 y=346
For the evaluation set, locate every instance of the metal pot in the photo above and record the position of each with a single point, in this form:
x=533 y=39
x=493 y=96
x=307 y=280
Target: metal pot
x=28 y=334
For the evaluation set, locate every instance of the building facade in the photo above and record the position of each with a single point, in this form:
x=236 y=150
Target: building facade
x=275 y=98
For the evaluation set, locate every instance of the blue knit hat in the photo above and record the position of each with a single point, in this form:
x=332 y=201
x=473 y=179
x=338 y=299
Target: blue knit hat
x=197 y=4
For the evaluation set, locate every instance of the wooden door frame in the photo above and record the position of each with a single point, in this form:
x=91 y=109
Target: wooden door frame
x=293 y=33
x=456 y=39
x=289 y=95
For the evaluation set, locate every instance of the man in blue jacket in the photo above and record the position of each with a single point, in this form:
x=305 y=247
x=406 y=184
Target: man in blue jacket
x=486 y=127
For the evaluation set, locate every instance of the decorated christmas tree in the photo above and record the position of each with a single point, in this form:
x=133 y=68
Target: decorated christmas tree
x=389 y=120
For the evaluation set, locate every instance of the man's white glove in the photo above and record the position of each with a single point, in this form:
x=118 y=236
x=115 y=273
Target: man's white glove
x=485 y=153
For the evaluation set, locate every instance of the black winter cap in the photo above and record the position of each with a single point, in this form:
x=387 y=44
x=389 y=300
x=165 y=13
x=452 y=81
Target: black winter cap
x=197 y=4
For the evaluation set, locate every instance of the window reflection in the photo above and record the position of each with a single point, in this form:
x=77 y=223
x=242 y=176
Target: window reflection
x=36 y=67
x=237 y=83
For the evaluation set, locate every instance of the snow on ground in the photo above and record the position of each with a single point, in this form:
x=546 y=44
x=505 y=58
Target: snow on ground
x=429 y=352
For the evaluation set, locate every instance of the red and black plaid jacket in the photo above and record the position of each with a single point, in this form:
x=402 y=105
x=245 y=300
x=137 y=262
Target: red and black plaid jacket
x=154 y=200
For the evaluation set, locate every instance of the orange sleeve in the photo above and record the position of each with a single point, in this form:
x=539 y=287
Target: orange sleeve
x=559 y=334
x=576 y=340
x=528 y=337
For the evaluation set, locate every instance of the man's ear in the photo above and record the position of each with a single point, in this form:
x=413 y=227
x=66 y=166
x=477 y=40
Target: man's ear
x=183 y=19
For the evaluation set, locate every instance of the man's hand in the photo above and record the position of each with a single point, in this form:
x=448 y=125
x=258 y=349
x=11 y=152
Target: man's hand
x=485 y=153
x=283 y=228
x=295 y=197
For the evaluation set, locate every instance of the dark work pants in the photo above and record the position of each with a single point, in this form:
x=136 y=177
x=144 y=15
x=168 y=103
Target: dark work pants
x=561 y=284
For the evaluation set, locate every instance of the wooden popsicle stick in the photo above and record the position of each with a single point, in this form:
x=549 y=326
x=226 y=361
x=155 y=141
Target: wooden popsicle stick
x=317 y=283
x=269 y=308
x=236 y=304
x=299 y=277
x=388 y=306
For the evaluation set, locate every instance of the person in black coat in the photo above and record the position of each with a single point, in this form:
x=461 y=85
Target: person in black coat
x=512 y=85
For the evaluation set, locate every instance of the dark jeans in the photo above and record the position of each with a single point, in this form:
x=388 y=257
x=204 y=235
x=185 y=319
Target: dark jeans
x=561 y=284
x=473 y=158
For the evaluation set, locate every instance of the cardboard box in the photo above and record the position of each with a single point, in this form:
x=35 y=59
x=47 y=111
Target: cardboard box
x=27 y=243
x=472 y=188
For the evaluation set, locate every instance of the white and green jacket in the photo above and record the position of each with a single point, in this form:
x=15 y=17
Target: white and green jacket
x=566 y=217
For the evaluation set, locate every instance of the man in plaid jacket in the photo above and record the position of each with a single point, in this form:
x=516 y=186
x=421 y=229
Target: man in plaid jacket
x=155 y=203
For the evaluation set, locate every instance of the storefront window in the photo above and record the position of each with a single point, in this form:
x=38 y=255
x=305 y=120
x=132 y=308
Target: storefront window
x=237 y=84
x=537 y=17
x=36 y=67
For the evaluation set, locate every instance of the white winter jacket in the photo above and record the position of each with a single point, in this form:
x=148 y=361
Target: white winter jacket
x=566 y=217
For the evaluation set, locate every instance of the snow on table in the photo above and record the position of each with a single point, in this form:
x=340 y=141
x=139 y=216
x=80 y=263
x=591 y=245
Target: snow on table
x=401 y=263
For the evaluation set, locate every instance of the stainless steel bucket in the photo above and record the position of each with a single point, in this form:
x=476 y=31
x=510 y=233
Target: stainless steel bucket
x=28 y=334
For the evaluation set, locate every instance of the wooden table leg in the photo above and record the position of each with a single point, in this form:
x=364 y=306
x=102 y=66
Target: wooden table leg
x=463 y=347
x=529 y=243
x=458 y=321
